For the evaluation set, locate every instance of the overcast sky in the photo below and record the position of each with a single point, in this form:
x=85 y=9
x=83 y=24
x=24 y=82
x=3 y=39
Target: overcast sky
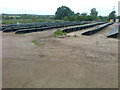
x=49 y=7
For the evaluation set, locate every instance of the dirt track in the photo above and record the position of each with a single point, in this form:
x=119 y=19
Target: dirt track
x=71 y=62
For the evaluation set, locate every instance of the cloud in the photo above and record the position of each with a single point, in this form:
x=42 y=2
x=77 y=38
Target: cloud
x=50 y=6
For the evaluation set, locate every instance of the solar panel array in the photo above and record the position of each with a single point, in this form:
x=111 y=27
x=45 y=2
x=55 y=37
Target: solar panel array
x=33 y=27
x=93 y=31
x=114 y=32
x=72 y=29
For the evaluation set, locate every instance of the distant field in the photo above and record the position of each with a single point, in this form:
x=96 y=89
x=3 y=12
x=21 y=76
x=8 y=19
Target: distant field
x=14 y=21
x=14 y=16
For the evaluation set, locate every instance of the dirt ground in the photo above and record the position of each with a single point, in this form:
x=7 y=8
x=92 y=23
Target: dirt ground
x=70 y=62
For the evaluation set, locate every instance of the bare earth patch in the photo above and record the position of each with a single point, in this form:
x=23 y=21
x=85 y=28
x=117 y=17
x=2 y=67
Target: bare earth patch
x=70 y=62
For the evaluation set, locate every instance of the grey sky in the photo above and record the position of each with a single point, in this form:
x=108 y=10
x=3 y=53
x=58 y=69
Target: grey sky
x=119 y=8
x=49 y=7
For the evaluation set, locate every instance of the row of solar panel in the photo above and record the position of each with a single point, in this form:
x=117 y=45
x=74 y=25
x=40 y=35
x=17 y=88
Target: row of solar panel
x=15 y=27
x=72 y=29
x=114 y=32
x=92 y=31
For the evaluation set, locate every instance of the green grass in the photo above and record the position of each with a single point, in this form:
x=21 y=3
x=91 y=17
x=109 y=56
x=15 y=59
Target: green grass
x=58 y=32
x=13 y=16
x=14 y=21
x=37 y=43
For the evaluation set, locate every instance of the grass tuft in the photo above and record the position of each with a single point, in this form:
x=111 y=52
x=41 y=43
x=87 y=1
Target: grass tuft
x=37 y=43
x=58 y=32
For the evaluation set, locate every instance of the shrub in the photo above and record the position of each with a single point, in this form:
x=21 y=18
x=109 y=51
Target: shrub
x=58 y=32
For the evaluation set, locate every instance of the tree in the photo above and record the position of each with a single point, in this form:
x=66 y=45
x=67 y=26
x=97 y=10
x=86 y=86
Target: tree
x=78 y=14
x=62 y=12
x=101 y=18
x=94 y=12
x=112 y=15
x=84 y=14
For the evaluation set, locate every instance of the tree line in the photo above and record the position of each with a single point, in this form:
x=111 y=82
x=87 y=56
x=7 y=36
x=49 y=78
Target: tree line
x=65 y=13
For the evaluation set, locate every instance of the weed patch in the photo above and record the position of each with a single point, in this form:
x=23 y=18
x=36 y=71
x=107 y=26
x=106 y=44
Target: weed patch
x=37 y=43
x=59 y=32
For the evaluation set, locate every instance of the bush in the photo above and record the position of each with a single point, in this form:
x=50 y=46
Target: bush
x=58 y=32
